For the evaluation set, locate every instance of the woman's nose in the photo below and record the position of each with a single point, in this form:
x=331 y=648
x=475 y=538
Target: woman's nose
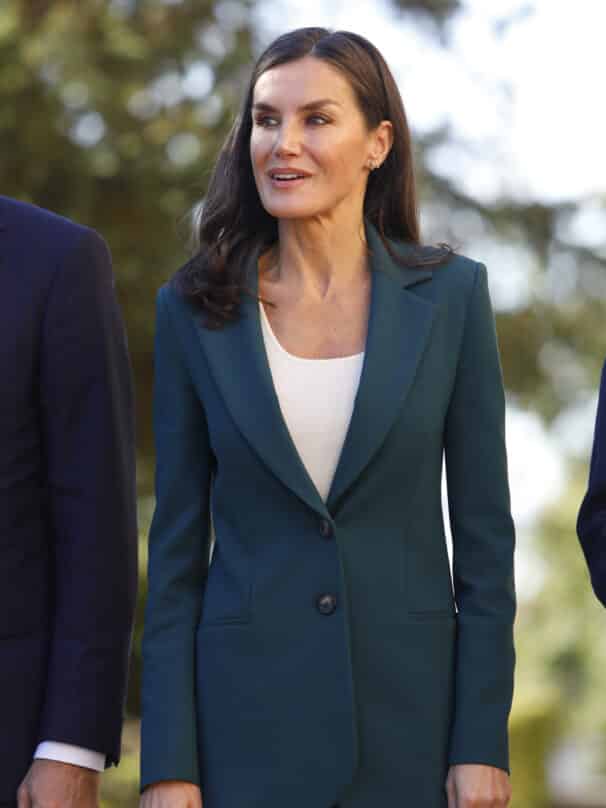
x=288 y=140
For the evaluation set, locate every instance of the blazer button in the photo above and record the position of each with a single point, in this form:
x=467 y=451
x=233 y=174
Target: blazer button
x=326 y=529
x=326 y=604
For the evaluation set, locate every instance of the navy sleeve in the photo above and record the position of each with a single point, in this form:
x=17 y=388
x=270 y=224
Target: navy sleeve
x=88 y=433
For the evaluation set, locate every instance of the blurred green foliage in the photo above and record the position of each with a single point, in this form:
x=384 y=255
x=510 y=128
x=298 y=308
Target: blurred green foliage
x=561 y=648
x=119 y=785
x=533 y=731
x=112 y=113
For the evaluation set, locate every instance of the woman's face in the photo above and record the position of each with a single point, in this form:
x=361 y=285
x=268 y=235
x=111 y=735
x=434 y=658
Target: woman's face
x=310 y=146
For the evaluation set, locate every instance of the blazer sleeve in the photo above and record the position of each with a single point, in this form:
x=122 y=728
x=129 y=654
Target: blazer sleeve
x=178 y=563
x=591 y=522
x=87 y=423
x=483 y=542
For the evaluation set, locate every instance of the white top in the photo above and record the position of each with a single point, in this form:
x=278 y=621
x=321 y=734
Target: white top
x=316 y=398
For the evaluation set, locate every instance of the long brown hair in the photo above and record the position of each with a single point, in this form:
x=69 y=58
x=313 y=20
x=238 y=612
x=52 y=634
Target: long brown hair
x=233 y=224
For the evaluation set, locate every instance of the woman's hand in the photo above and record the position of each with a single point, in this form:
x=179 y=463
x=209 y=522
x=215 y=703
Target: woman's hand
x=471 y=785
x=171 y=794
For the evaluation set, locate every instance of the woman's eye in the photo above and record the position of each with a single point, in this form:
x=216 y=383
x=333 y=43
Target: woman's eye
x=266 y=121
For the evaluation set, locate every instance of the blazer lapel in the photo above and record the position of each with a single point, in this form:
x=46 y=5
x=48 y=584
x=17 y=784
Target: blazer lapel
x=239 y=365
x=398 y=331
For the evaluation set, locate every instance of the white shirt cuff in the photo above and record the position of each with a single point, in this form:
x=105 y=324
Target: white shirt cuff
x=67 y=753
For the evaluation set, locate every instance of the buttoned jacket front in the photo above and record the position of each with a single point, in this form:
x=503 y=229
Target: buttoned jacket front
x=256 y=685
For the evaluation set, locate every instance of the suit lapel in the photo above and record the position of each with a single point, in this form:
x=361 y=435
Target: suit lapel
x=238 y=361
x=398 y=330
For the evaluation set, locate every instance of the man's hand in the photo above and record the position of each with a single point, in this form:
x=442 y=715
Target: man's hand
x=476 y=786
x=50 y=784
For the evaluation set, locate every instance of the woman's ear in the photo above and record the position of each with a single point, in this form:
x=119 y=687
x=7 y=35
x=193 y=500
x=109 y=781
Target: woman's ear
x=383 y=141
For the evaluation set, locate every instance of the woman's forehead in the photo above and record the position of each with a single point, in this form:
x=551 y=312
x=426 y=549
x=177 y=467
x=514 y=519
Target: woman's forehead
x=302 y=83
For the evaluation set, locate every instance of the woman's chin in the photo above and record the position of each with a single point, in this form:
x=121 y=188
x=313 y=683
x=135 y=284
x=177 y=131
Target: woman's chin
x=293 y=211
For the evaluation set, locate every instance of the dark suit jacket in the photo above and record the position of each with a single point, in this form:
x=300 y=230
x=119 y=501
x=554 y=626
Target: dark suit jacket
x=254 y=685
x=591 y=524
x=67 y=495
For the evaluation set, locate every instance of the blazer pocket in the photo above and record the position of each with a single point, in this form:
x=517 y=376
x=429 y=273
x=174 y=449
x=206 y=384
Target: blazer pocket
x=209 y=620
x=428 y=590
x=434 y=614
x=224 y=606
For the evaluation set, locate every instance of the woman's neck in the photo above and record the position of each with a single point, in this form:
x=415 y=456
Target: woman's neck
x=319 y=258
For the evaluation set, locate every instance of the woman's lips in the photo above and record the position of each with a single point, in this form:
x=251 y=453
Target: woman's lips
x=287 y=177
x=286 y=182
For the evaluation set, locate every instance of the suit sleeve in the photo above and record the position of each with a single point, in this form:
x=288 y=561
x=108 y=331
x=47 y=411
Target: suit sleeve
x=591 y=522
x=178 y=563
x=88 y=434
x=483 y=542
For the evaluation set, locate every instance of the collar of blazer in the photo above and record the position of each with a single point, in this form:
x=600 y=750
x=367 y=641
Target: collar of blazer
x=398 y=330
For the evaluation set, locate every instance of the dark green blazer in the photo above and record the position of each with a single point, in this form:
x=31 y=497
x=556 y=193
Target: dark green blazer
x=322 y=656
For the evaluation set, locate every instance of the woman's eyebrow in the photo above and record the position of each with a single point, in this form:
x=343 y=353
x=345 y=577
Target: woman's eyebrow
x=262 y=106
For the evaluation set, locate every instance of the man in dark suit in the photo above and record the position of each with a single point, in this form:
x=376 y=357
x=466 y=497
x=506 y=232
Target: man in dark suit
x=591 y=524
x=67 y=511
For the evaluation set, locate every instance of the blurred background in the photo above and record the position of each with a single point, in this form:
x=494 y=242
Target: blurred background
x=112 y=113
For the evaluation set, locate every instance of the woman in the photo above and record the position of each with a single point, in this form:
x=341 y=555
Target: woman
x=313 y=365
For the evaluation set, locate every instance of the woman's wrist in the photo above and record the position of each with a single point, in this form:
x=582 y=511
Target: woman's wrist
x=475 y=785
